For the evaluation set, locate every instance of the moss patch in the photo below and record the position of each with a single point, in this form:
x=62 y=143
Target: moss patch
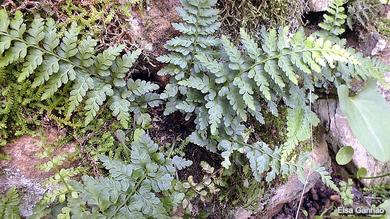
x=252 y=14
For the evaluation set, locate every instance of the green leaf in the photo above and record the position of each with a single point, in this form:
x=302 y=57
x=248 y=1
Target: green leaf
x=361 y=172
x=181 y=163
x=49 y=66
x=344 y=155
x=51 y=40
x=138 y=133
x=368 y=115
x=95 y=99
x=34 y=59
x=118 y=169
x=16 y=53
x=105 y=59
x=36 y=32
x=9 y=204
x=4 y=20
x=69 y=42
x=87 y=51
x=65 y=74
x=120 y=109
x=79 y=91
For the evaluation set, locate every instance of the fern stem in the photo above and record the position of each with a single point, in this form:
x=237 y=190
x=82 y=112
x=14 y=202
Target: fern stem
x=375 y=177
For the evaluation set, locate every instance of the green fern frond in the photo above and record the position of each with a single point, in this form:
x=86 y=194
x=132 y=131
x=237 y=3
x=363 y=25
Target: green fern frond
x=52 y=62
x=300 y=122
x=326 y=178
x=9 y=204
x=335 y=17
x=222 y=85
x=142 y=189
x=363 y=13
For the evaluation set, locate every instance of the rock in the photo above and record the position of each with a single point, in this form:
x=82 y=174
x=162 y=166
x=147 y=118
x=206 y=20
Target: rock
x=21 y=169
x=340 y=134
x=318 y=5
x=293 y=188
x=151 y=28
x=242 y=213
x=374 y=44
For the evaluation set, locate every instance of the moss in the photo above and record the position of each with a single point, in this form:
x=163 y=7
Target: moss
x=384 y=27
x=252 y=14
x=274 y=131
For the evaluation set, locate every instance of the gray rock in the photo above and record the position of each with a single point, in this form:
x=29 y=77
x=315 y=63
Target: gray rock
x=340 y=134
x=318 y=5
x=21 y=170
x=374 y=44
x=242 y=213
x=30 y=190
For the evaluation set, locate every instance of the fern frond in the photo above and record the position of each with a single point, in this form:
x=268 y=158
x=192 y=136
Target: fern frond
x=326 y=178
x=140 y=189
x=335 y=17
x=362 y=13
x=222 y=84
x=52 y=62
x=9 y=204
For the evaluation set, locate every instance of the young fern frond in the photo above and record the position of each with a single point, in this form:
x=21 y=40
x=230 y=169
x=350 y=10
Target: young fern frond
x=53 y=62
x=334 y=19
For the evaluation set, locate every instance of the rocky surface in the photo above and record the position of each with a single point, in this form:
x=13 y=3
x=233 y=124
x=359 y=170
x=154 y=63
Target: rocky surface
x=151 y=27
x=318 y=5
x=293 y=188
x=21 y=169
x=340 y=134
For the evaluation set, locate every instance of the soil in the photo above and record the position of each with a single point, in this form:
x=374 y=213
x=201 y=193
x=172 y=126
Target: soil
x=318 y=200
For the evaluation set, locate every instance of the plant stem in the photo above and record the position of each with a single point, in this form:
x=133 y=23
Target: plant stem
x=375 y=177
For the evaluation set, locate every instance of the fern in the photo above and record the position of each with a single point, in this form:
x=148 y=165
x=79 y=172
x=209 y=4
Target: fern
x=14 y=119
x=223 y=85
x=300 y=120
x=141 y=189
x=9 y=204
x=53 y=62
x=334 y=19
x=362 y=13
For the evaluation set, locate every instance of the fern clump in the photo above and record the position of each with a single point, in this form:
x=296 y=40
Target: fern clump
x=9 y=204
x=223 y=85
x=363 y=13
x=52 y=62
x=144 y=188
